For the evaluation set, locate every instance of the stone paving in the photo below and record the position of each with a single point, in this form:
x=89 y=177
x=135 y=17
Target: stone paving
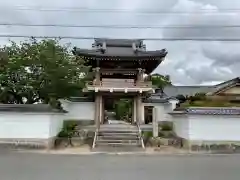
x=86 y=150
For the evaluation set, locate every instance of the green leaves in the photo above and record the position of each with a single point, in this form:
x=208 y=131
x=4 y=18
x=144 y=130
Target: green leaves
x=160 y=81
x=39 y=71
x=123 y=108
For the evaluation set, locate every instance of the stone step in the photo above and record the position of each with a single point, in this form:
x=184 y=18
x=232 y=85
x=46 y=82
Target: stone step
x=118 y=137
x=122 y=137
x=118 y=126
x=117 y=144
x=108 y=149
x=118 y=134
x=109 y=141
x=119 y=129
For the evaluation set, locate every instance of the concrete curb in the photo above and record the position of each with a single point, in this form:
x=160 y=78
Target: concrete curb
x=126 y=153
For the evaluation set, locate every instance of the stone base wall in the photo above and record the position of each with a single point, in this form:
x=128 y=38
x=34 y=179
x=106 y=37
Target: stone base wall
x=27 y=143
x=212 y=146
x=159 y=141
x=81 y=122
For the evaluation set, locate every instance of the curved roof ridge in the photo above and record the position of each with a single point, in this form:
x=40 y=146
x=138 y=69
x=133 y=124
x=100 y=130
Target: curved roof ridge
x=118 y=42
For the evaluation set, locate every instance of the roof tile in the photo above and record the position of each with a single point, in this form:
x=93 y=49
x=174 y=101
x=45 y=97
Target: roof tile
x=214 y=111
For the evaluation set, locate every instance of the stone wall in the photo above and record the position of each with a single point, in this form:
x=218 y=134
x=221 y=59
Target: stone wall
x=216 y=148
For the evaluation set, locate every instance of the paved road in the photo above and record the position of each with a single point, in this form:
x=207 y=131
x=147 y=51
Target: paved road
x=14 y=166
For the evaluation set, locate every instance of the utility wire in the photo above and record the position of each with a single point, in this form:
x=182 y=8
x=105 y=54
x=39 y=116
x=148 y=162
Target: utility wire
x=149 y=39
x=141 y=11
x=123 y=26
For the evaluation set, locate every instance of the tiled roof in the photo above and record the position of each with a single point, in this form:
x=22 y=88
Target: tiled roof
x=81 y=99
x=123 y=52
x=225 y=85
x=173 y=91
x=214 y=111
x=157 y=97
x=152 y=100
x=41 y=108
x=121 y=48
x=208 y=111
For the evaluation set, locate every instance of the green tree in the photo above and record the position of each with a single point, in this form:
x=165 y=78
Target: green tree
x=123 y=108
x=160 y=81
x=40 y=71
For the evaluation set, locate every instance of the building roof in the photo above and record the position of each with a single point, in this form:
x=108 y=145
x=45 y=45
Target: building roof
x=225 y=85
x=155 y=100
x=122 y=50
x=81 y=99
x=209 y=111
x=157 y=97
x=173 y=91
x=40 y=108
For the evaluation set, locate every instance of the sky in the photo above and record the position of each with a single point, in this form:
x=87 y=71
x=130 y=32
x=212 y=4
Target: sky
x=187 y=62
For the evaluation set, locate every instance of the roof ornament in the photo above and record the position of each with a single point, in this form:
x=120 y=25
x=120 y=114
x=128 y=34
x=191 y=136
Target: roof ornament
x=164 y=51
x=144 y=47
x=103 y=48
x=135 y=49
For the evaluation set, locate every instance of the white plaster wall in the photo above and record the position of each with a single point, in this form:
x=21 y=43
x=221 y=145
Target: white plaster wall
x=56 y=124
x=214 y=128
x=181 y=126
x=29 y=125
x=173 y=103
x=207 y=127
x=19 y=125
x=162 y=110
x=79 y=110
x=167 y=109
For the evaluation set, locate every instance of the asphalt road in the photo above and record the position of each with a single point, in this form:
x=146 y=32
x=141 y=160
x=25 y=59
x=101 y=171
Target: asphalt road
x=19 y=166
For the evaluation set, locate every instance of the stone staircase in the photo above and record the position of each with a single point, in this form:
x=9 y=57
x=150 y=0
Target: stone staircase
x=118 y=138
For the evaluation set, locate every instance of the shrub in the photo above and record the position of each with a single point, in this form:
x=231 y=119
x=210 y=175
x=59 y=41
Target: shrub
x=200 y=96
x=197 y=97
x=148 y=134
x=69 y=125
x=63 y=134
x=67 y=129
x=181 y=98
x=166 y=127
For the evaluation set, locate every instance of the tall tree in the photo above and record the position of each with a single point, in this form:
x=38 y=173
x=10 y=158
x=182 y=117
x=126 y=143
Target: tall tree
x=160 y=81
x=42 y=70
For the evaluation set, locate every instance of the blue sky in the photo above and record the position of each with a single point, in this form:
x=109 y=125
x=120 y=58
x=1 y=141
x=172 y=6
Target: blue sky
x=187 y=63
